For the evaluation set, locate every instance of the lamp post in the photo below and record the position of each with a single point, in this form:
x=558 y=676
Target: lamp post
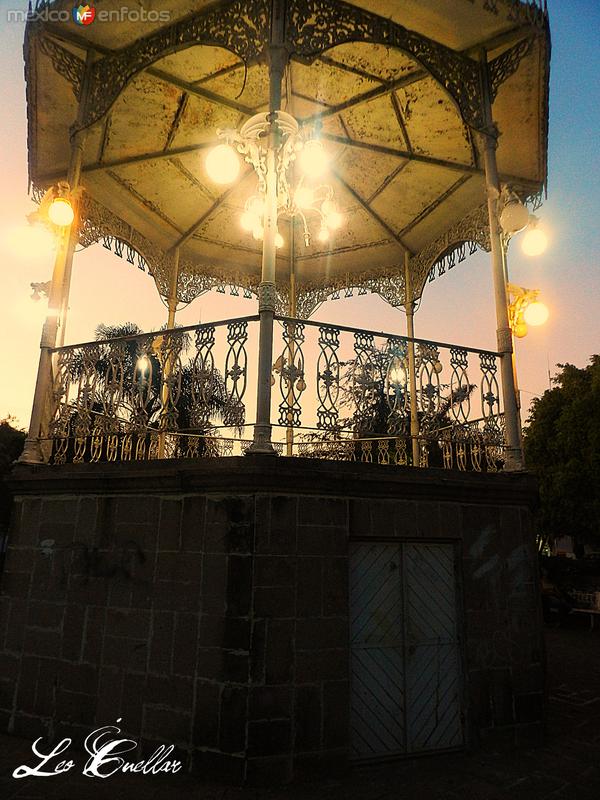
x=505 y=212
x=524 y=307
x=60 y=206
x=56 y=206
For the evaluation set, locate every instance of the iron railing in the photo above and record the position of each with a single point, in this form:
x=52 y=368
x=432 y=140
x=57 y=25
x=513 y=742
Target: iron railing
x=350 y=394
x=124 y=398
x=338 y=393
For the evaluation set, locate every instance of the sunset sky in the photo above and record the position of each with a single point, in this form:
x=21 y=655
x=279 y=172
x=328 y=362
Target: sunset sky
x=456 y=308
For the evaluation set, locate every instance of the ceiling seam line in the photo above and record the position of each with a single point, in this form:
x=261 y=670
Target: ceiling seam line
x=374 y=214
x=400 y=118
x=435 y=204
x=218 y=202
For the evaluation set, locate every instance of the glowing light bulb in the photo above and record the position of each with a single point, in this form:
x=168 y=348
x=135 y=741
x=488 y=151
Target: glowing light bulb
x=334 y=220
x=398 y=375
x=249 y=221
x=324 y=234
x=304 y=197
x=536 y=313
x=278 y=240
x=534 y=242
x=142 y=364
x=61 y=212
x=222 y=164
x=257 y=233
x=313 y=159
x=520 y=330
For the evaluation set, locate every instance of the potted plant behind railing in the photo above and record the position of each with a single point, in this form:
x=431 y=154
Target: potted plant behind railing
x=379 y=418
x=105 y=432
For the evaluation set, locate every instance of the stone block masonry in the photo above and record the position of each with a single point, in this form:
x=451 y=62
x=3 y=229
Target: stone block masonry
x=206 y=603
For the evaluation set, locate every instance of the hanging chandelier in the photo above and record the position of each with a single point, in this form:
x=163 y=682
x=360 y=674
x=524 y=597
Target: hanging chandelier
x=301 y=165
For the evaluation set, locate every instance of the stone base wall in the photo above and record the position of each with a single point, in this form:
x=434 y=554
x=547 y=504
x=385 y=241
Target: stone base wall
x=206 y=603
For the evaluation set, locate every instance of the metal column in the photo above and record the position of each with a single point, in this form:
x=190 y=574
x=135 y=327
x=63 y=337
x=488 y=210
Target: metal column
x=412 y=372
x=58 y=300
x=266 y=291
x=514 y=456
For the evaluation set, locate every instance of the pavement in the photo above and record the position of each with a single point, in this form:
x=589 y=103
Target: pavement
x=566 y=767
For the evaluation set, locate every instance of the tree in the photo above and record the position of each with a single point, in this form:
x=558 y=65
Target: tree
x=11 y=446
x=562 y=448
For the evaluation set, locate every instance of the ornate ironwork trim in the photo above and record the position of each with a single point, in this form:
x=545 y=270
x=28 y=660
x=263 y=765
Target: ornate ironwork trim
x=532 y=11
x=99 y=224
x=238 y=26
x=507 y=64
x=67 y=64
x=473 y=228
x=313 y=26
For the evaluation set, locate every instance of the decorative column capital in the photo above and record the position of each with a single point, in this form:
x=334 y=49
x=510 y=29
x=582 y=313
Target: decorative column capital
x=267 y=296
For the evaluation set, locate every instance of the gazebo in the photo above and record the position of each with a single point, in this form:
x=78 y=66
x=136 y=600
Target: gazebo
x=351 y=503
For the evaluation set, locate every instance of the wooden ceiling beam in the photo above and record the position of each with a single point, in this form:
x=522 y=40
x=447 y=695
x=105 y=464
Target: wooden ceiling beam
x=198 y=91
x=176 y=122
x=507 y=38
x=435 y=204
x=135 y=199
x=378 y=91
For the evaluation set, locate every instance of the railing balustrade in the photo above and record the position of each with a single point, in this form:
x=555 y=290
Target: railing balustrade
x=338 y=393
x=345 y=393
x=170 y=393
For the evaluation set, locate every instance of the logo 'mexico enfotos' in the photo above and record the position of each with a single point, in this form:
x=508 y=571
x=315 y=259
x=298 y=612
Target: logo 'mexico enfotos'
x=105 y=752
x=84 y=15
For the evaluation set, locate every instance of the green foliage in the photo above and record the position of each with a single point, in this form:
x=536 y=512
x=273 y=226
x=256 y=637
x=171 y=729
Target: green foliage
x=562 y=448
x=11 y=447
x=209 y=383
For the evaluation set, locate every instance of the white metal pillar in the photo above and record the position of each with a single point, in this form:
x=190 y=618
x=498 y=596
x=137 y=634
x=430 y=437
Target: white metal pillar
x=267 y=291
x=167 y=367
x=412 y=371
x=58 y=301
x=514 y=456
x=289 y=436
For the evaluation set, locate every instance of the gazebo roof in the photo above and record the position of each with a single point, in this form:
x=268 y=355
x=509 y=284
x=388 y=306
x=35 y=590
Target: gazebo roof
x=407 y=165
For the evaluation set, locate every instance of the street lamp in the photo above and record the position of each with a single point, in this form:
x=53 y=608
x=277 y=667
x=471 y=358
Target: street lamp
x=514 y=217
x=535 y=240
x=525 y=309
x=55 y=207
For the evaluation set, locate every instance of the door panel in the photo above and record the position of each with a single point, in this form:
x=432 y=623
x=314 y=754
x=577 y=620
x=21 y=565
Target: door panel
x=433 y=675
x=377 y=660
x=405 y=659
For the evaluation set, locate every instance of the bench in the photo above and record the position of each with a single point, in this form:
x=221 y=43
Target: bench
x=591 y=611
